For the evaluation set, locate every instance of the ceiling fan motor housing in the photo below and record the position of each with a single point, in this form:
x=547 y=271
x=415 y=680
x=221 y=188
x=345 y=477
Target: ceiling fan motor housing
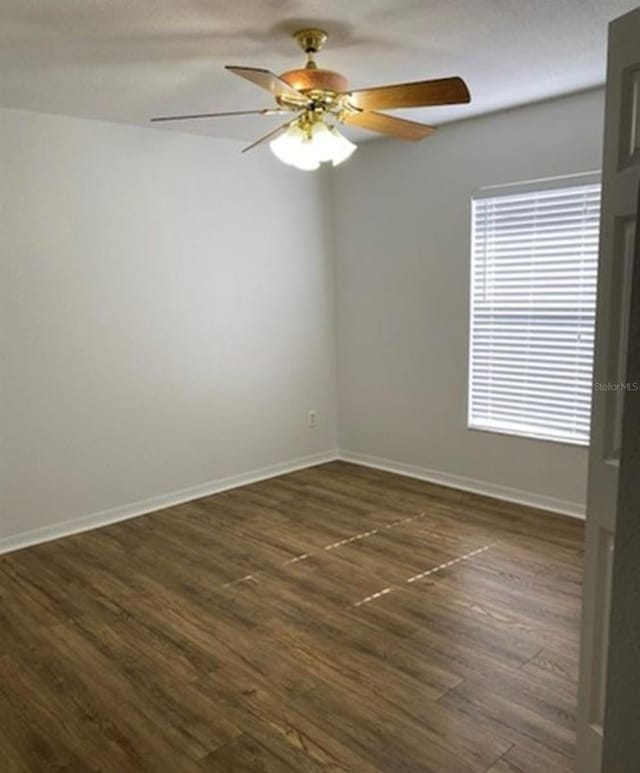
x=318 y=84
x=306 y=80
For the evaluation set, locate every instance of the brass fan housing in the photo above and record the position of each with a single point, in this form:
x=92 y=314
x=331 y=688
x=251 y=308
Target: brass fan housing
x=315 y=79
x=320 y=86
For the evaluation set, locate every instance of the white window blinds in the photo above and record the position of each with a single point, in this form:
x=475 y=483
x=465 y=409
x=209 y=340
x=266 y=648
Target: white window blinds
x=533 y=298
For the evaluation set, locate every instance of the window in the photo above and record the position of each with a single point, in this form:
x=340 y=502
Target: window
x=533 y=299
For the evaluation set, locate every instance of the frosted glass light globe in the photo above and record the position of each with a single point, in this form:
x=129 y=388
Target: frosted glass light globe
x=323 y=141
x=286 y=146
x=307 y=149
x=342 y=148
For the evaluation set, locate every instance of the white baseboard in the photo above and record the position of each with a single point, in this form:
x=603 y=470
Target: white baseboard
x=518 y=496
x=124 y=512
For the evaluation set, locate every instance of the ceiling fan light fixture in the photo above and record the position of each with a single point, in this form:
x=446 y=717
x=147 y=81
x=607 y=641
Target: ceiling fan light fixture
x=286 y=147
x=323 y=141
x=295 y=148
x=306 y=147
x=306 y=160
x=342 y=147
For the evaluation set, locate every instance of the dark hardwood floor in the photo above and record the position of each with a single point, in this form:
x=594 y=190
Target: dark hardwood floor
x=335 y=619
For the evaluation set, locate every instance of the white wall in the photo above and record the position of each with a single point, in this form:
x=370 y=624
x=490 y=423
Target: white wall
x=165 y=315
x=402 y=217
x=167 y=319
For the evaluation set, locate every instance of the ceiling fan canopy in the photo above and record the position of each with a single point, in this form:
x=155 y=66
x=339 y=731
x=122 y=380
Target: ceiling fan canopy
x=320 y=100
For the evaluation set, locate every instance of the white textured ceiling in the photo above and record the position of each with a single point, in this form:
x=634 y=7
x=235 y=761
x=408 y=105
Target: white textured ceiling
x=127 y=60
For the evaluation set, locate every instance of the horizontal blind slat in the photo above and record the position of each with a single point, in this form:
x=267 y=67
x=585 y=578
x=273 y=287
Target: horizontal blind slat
x=533 y=292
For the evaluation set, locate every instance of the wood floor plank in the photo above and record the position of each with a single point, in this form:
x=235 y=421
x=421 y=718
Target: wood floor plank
x=560 y=664
x=338 y=618
x=274 y=722
x=535 y=710
x=386 y=738
x=248 y=755
x=528 y=756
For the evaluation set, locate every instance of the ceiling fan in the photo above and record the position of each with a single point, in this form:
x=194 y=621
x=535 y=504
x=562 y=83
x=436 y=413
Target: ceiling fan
x=320 y=100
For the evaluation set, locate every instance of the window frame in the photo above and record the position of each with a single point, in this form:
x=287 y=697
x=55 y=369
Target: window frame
x=513 y=189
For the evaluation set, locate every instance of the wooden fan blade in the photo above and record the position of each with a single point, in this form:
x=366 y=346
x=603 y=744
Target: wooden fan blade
x=269 y=136
x=265 y=111
x=388 y=124
x=444 y=91
x=269 y=81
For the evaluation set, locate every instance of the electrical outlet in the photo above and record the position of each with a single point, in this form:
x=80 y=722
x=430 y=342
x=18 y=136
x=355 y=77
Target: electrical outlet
x=312 y=419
